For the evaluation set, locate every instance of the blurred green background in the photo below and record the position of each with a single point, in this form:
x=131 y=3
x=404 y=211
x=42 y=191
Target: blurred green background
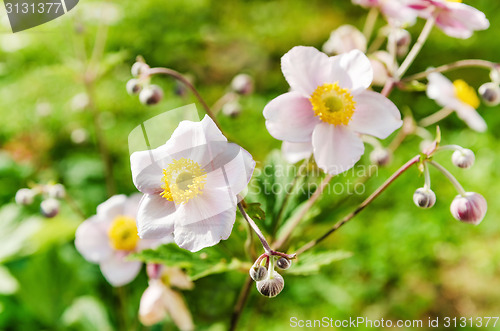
x=406 y=263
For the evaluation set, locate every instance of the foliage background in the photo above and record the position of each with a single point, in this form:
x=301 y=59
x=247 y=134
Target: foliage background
x=406 y=263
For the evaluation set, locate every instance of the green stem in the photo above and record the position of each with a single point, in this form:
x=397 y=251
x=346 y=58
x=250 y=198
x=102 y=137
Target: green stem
x=371 y=19
x=362 y=206
x=436 y=117
x=450 y=177
x=452 y=66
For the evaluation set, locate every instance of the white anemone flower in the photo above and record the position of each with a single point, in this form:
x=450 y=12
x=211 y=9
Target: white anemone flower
x=109 y=236
x=190 y=185
x=458 y=96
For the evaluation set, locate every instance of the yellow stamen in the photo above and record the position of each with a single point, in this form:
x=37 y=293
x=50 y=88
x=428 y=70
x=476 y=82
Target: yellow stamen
x=123 y=233
x=466 y=93
x=333 y=104
x=183 y=179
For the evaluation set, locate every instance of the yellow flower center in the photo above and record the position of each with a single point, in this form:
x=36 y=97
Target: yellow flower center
x=466 y=93
x=333 y=104
x=183 y=179
x=123 y=233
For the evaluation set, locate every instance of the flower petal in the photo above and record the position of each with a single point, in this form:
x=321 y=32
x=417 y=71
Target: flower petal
x=358 y=67
x=178 y=310
x=375 y=115
x=460 y=20
x=290 y=117
x=132 y=205
x=440 y=89
x=205 y=233
x=118 y=271
x=294 y=152
x=306 y=68
x=470 y=116
x=237 y=167
x=336 y=148
x=91 y=240
x=112 y=207
x=156 y=217
x=151 y=307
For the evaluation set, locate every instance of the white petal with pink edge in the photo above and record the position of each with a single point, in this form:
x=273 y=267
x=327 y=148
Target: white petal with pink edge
x=290 y=117
x=375 y=115
x=91 y=240
x=118 y=271
x=336 y=148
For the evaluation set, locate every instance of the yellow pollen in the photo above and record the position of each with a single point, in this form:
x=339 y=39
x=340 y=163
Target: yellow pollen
x=123 y=233
x=183 y=179
x=333 y=104
x=466 y=93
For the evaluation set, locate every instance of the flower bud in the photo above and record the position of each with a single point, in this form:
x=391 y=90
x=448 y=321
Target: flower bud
x=469 y=209
x=139 y=68
x=463 y=158
x=49 y=207
x=25 y=196
x=382 y=63
x=344 y=39
x=56 y=191
x=271 y=287
x=380 y=156
x=490 y=93
x=133 y=86
x=242 y=84
x=402 y=40
x=424 y=197
x=258 y=273
x=151 y=95
x=231 y=109
x=283 y=263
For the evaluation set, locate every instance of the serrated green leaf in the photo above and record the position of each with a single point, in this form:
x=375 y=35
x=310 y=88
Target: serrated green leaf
x=197 y=265
x=311 y=263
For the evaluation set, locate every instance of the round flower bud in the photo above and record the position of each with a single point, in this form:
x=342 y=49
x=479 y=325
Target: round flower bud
x=344 y=39
x=469 y=209
x=25 y=196
x=271 y=287
x=231 y=109
x=151 y=95
x=242 y=84
x=490 y=93
x=56 y=191
x=403 y=40
x=139 y=68
x=424 y=198
x=258 y=273
x=380 y=156
x=49 y=207
x=463 y=158
x=283 y=263
x=133 y=86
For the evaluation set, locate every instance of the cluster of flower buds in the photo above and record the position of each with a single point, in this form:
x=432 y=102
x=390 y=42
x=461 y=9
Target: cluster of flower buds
x=269 y=282
x=51 y=194
x=467 y=207
x=149 y=94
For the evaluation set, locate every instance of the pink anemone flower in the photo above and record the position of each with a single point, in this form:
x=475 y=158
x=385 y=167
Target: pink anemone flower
x=456 y=19
x=329 y=107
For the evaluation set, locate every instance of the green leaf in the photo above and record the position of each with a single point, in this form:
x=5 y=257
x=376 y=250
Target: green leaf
x=197 y=265
x=311 y=263
x=255 y=211
x=87 y=314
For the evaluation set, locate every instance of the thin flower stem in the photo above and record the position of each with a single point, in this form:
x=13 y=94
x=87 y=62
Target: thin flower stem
x=255 y=228
x=240 y=304
x=416 y=47
x=387 y=89
x=450 y=177
x=449 y=148
x=73 y=205
x=427 y=177
x=294 y=222
x=436 y=117
x=371 y=19
x=452 y=66
x=362 y=206
x=177 y=75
